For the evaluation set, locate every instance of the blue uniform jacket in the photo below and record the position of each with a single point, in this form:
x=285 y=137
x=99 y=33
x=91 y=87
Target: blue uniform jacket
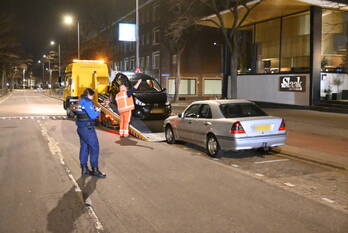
x=87 y=107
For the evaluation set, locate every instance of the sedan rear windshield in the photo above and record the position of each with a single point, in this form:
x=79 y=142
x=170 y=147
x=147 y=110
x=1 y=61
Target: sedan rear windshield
x=237 y=110
x=148 y=85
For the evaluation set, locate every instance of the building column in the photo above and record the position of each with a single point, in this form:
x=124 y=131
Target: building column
x=315 y=54
x=226 y=70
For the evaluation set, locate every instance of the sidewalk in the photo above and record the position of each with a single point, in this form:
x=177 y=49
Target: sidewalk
x=314 y=136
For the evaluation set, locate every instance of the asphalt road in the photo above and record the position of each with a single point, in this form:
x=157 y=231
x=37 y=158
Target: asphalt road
x=152 y=187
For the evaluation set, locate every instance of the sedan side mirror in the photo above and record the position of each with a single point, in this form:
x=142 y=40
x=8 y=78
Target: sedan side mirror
x=181 y=115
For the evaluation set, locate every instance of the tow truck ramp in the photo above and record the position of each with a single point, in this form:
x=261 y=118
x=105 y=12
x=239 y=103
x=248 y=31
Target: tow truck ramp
x=137 y=127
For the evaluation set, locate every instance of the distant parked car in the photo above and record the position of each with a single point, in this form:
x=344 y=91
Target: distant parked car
x=226 y=125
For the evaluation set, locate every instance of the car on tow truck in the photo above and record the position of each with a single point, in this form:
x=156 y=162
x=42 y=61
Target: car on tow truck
x=150 y=99
x=221 y=125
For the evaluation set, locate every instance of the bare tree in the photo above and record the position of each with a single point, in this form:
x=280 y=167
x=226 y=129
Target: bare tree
x=177 y=24
x=240 y=11
x=8 y=48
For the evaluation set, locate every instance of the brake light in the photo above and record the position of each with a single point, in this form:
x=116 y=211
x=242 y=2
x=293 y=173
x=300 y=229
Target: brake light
x=237 y=128
x=282 y=126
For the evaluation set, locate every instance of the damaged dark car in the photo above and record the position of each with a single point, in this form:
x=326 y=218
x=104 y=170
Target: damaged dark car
x=150 y=99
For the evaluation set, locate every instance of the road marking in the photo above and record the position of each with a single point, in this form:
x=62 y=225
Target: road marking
x=259 y=174
x=3 y=100
x=56 y=151
x=328 y=200
x=33 y=117
x=234 y=165
x=271 y=161
x=215 y=159
x=289 y=184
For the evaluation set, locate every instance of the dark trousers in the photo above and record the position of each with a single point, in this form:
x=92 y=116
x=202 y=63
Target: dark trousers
x=89 y=146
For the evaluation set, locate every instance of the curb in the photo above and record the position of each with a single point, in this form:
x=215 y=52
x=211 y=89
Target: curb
x=305 y=157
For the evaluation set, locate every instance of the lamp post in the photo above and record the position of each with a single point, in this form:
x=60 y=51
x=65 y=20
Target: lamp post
x=43 y=71
x=23 y=78
x=137 y=35
x=59 y=58
x=49 y=69
x=69 y=20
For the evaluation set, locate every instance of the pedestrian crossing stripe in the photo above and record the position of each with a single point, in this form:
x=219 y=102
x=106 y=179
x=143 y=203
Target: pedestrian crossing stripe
x=54 y=117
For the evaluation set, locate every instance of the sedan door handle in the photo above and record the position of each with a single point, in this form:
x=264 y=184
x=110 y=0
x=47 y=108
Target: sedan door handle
x=207 y=123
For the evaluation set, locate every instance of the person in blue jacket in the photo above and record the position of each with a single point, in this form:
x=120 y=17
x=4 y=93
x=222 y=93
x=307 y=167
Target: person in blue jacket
x=86 y=116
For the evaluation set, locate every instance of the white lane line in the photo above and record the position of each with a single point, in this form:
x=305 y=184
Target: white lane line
x=216 y=159
x=3 y=100
x=271 y=161
x=289 y=184
x=327 y=200
x=259 y=175
x=56 y=151
x=235 y=165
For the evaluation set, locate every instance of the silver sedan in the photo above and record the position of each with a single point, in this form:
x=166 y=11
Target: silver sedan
x=226 y=125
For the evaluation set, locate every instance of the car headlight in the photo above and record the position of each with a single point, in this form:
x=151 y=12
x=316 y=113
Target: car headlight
x=138 y=102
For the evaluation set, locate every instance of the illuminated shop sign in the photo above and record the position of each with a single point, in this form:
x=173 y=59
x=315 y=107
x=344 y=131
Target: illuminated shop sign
x=292 y=83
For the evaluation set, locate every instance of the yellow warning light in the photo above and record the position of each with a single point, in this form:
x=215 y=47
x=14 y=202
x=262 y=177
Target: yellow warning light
x=88 y=61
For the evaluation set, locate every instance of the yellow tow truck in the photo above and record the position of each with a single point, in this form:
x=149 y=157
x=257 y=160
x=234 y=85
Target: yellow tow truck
x=82 y=74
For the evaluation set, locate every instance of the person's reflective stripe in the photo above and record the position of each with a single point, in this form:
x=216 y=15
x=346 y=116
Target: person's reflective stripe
x=124 y=103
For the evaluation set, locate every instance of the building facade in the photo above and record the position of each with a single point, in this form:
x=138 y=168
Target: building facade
x=292 y=54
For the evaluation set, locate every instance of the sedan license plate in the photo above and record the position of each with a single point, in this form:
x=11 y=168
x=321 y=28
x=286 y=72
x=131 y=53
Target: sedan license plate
x=263 y=128
x=157 y=111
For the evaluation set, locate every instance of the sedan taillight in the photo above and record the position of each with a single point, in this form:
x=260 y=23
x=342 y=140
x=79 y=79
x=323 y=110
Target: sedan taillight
x=237 y=128
x=282 y=126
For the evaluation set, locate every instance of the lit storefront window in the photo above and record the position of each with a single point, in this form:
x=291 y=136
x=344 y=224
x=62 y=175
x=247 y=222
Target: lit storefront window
x=247 y=51
x=267 y=40
x=295 y=46
x=334 y=41
x=187 y=86
x=212 y=86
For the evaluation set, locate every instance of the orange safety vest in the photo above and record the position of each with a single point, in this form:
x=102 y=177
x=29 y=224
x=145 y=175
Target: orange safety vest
x=124 y=103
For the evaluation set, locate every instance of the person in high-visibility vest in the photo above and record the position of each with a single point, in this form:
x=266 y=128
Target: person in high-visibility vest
x=125 y=105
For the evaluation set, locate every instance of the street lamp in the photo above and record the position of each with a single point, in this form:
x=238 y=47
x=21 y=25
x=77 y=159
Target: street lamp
x=49 y=68
x=69 y=20
x=59 y=60
x=43 y=71
x=23 y=78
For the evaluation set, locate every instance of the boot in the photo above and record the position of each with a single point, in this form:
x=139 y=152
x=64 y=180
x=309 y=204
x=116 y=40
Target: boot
x=85 y=171
x=97 y=173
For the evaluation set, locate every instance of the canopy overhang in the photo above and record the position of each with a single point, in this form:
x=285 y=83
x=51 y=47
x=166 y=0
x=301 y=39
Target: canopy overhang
x=268 y=9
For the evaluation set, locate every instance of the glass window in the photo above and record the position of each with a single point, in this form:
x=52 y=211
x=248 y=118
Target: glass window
x=267 y=42
x=236 y=110
x=155 y=60
x=334 y=41
x=193 y=111
x=247 y=50
x=155 y=14
x=187 y=86
x=205 y=112
x=212 y=86
x=147 y=62
x=295 y=43
x=174 y=59
x=156 y=35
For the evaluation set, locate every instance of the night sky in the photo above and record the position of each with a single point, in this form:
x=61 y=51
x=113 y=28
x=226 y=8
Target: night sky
x=40 y=21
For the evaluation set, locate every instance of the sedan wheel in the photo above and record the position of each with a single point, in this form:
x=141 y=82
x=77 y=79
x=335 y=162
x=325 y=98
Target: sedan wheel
x=170 y=138
x=213 y=147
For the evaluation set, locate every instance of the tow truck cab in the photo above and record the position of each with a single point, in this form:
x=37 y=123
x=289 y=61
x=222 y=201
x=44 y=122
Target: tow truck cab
x=150 y=99
x=82 y=74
